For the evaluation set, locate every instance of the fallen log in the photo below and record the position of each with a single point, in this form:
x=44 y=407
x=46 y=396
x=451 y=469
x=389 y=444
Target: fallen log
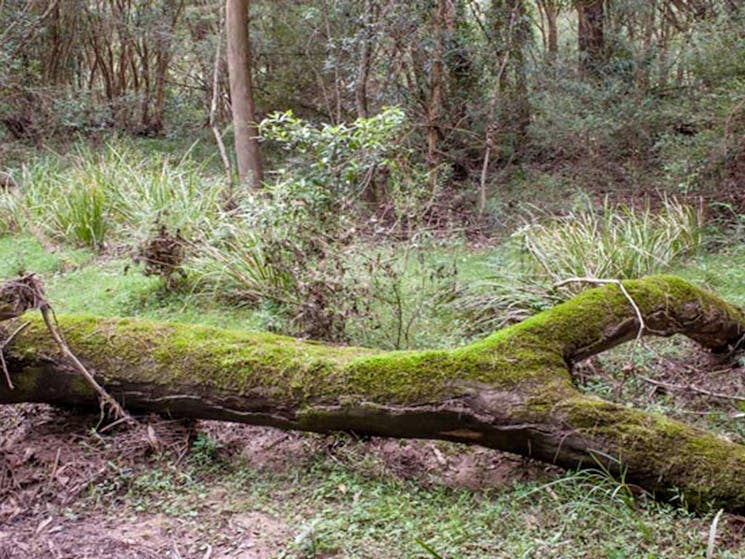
x=511 y=391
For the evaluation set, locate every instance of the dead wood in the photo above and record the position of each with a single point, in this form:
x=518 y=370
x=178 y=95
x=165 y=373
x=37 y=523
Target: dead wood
x=511 y=391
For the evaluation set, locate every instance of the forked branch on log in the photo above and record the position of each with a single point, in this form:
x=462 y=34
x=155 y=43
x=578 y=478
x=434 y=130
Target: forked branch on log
x=511 y=391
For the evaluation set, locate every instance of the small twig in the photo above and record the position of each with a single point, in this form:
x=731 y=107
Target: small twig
x=713 y=535
x=619 y=283
x=692 y=388
x=113 y=424
x=3 y=345
x=6 y=374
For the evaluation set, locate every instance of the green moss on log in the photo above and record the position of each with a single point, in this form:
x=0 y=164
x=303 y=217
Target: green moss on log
x=530 y=355
x=656 y=449
x=516 y=382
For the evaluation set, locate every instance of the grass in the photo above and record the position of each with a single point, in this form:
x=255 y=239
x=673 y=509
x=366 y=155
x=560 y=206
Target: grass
x=79 y=281
x=353 y=506
x=91 y=198
x=350 y=508
x=613 y=242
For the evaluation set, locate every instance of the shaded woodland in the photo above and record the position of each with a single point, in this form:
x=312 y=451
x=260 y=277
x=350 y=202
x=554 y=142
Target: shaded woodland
x=644 y=92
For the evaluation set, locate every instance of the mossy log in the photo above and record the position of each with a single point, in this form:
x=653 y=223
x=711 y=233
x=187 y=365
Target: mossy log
x=511 y=391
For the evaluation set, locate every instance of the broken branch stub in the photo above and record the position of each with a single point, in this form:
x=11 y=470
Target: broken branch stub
x=20 y=295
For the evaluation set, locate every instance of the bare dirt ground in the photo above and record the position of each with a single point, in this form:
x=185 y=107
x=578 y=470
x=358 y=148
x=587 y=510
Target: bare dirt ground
x=52 y=462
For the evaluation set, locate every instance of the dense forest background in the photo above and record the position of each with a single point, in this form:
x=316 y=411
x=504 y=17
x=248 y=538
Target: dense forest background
x=639 y=94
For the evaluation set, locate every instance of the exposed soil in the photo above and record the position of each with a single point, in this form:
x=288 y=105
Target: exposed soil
x=52 y=461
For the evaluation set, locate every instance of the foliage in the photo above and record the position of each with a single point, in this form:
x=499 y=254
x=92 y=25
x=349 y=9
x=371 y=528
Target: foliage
x=315 y=286
x=608 y=242
x=115 y=196
x=9 y=213
x=302 y=263
x=621 y=242
x=503 y=299
x=334 y=168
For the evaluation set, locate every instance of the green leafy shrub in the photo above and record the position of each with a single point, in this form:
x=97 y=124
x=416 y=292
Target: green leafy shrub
x=290 y=247
x=335 y=168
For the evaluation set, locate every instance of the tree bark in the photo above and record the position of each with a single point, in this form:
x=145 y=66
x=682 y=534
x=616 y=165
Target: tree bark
x=511 y=391
x=435 y=101
x=591 y=35
x=363 y=68
x=241 y=93
x=549 y=10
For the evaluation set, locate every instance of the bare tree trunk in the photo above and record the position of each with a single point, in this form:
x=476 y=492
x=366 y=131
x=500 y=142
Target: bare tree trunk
x=163 y=54
x=241 y=93
x=213 y=110
x=435 y=101
x=552 y=14
x=363 y=71
x=591 y=35
x=511 y=391
x=549 y=10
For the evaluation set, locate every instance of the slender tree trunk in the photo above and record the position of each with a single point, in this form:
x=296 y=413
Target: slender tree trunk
x=591 y=35
x=550 y=12
x=363 y=70
x=241 y=93
x=553 y=29
x=435 y=101
x=163 y=54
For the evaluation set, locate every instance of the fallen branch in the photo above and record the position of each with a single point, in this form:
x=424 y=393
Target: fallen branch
x=619 y=283
x=692 y=388
x=511 y=391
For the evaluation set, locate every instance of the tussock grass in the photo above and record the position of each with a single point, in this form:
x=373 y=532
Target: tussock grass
x=90 y=198
x=232 y=262
x=619 y=242
x=613 y=242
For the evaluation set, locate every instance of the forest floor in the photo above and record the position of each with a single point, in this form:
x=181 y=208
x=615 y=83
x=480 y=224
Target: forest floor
x=71 y=492
x=174 y=489
x=171 y=489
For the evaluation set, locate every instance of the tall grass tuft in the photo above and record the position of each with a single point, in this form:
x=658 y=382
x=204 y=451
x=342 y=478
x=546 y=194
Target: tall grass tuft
x=233 y=262
x=82 y=215
x=613 y=242
x=10 y=214
x=116 y=195
x=609 y=242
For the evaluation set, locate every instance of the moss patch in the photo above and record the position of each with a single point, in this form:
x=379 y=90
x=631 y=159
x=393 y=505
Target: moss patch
x=663 y=453
x=529 y=356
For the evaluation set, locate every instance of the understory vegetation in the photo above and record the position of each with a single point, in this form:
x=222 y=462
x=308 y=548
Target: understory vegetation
x=432 y=172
